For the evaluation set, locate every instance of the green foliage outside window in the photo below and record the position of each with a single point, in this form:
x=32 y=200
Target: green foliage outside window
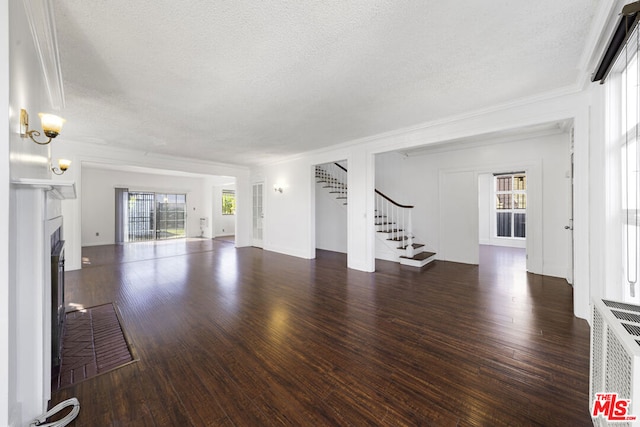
x=228 y=202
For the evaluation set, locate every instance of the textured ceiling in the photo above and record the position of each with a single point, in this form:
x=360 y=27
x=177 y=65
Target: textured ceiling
x=248 y=81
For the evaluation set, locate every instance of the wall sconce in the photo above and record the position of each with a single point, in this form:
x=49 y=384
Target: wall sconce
x=51 y=125
x=277 y=189
x=63 y=165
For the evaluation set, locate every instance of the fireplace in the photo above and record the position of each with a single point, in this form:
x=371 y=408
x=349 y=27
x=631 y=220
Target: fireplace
x=37 y=204
x=57 y=298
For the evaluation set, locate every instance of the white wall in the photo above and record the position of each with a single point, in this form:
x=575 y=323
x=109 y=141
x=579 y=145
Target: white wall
x=24 y=357
x=443 y=186
x=288 y=215
x=331 y=221
x=296 y=211
x=223 y=225
x=98 y=200
x=214 y=174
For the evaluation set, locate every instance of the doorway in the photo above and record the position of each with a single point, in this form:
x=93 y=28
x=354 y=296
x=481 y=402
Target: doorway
x=503 y=219
x=331 y=200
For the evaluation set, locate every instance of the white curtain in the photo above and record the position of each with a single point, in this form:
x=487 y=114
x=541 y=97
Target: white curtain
x=122 y=214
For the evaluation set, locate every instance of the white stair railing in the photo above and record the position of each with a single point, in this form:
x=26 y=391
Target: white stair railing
x=395 y=217
x=390 y=215
x=333 y=176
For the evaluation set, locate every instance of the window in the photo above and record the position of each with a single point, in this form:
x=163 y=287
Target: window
x=511 y=205
x=170 y=215
x=624 y=108
x=228 y=202
x=152 y=216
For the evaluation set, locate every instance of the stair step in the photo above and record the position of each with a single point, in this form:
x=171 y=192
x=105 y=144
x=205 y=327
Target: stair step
x=415 y=246
x=420 y=256
x=391 y=230
x=418 y=260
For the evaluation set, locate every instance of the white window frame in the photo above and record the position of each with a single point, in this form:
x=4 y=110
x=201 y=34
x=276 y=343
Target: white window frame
x=624 y=121
x=512 y=211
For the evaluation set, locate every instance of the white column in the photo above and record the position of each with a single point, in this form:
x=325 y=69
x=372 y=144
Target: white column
x=360 y=212
x=244 y=206
x=581 y=222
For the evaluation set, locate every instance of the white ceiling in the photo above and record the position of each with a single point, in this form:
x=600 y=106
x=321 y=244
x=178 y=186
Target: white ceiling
x=249 y=81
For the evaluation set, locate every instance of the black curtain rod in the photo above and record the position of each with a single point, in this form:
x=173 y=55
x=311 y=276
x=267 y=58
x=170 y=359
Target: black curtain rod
x=508 y=173
x=627 y=23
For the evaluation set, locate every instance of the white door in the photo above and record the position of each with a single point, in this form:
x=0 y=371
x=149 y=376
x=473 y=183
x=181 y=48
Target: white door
x=258 y=215
x=569 y=227
x=459 y=217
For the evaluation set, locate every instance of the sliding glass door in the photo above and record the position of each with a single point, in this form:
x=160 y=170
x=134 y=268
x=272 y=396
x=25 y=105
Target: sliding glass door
x=170 y=217
x=141 y=217
x=156 y=216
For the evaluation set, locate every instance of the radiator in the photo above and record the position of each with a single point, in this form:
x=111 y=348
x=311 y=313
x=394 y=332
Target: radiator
x=615 y=362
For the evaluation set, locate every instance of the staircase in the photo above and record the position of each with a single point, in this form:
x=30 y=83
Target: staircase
x=392 y=220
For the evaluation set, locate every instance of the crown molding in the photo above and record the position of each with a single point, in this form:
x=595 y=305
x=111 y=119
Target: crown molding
x=42 y=23
x=495 y=138
x=561 y=92
x=110 y=155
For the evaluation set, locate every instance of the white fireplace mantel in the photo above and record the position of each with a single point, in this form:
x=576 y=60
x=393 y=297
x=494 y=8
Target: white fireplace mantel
x=59 y=189
x=38 y=213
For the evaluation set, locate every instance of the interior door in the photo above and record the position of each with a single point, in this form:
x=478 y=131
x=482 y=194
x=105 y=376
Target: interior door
x=459 y=217
x=569 y=227
x=258 y=214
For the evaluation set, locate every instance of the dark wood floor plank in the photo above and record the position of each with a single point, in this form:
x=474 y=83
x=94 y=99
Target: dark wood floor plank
x=237 y=337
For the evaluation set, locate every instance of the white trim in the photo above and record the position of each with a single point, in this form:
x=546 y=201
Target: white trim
x=581 y=218
x=490 y=139
x=287 y=251
x=59 y=190
x=5 y=305
x=408 y=132
x=117 y=157
x=43 y=29
x=511 y=240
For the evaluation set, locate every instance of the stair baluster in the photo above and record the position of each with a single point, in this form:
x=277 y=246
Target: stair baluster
x=395 y=220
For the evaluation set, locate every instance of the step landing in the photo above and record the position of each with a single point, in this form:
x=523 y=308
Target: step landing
x=418 y=260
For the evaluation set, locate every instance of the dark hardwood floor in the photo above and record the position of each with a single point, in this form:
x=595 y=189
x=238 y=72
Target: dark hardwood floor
x=245 y=337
